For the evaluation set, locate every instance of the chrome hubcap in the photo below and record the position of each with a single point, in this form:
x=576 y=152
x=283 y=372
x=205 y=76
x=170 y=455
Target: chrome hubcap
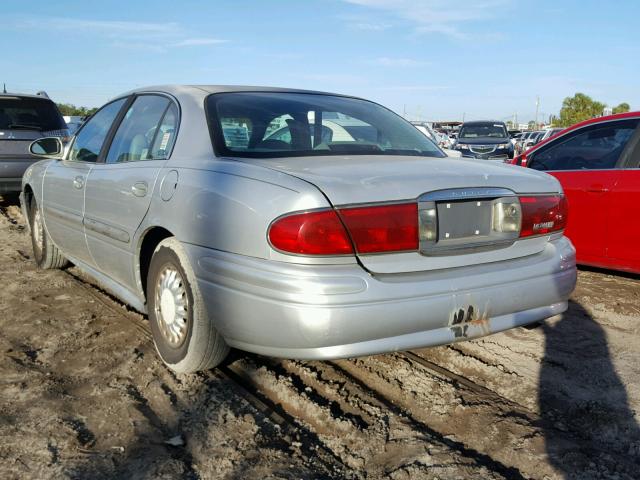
x=171 y=306
x=38 y=230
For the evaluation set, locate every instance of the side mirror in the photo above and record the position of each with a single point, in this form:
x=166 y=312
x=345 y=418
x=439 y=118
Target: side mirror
x=49 y=147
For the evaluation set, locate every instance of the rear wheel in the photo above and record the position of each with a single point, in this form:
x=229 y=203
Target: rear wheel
x=46 y=254
x=182 y=330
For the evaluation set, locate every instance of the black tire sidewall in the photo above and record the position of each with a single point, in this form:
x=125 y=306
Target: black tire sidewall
x=163 y=257
x=39 y=259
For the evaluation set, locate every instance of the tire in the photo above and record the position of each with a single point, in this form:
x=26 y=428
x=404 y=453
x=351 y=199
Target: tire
x=183 y=332
x=45 y=253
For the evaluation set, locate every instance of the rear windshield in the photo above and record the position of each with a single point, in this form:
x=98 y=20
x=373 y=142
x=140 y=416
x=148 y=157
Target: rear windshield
x=269 y=125
x=25 y=113
x=494 y=130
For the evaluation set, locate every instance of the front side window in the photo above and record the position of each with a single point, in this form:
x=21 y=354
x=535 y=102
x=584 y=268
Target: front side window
x=92 y=135
x=146 y=132
x=267 y=125
x=595 y=148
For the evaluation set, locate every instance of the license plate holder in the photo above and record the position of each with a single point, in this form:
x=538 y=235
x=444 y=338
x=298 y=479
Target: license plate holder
x=460 y=221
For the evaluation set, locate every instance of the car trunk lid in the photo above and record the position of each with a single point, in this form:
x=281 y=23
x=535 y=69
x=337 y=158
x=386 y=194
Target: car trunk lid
x=461 y=191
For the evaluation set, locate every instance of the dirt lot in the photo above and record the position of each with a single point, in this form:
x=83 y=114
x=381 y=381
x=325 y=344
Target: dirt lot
x=84 y=396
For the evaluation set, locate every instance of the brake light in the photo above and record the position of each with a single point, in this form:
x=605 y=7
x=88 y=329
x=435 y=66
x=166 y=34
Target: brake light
x=312 y=233
x=373 y=229
x=543 y=214
x=383 y=228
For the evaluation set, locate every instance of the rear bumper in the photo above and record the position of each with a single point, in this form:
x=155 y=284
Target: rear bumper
x=10 y=185
x=324 y=312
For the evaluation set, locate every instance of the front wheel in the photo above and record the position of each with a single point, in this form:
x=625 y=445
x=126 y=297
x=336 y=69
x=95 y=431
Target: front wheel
x=45 y=253
x=183 y=332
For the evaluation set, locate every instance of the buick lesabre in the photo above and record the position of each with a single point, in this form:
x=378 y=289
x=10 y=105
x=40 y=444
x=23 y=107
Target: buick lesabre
x=294 y=224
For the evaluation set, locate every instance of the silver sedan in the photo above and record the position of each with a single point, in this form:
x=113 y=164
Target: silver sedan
x=294 y=224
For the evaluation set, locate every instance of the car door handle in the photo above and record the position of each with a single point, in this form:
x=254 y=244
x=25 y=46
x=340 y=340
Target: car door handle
x=78 y=182
x=139 y=189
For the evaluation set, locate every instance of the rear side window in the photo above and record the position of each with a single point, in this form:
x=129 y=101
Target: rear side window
x=166 y=135
x=26 y=113
x=146 y=132
x=92 y=135
x=594 y=148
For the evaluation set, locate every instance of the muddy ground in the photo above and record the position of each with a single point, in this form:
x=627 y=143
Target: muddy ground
x=83 y=395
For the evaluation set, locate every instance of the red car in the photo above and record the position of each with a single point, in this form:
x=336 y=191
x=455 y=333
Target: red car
x=598 y=165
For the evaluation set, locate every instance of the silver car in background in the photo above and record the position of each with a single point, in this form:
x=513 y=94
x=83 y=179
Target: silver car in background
x=245 y=217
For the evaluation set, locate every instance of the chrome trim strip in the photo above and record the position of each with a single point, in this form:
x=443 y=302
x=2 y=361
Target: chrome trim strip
x=62 y=214
x=465 y=194
x=107 y=230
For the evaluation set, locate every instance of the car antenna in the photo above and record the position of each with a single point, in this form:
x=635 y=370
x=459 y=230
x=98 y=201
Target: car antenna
x=4 y=89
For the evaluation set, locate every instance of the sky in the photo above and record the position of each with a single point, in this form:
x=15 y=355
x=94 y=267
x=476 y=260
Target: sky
x=426 y=59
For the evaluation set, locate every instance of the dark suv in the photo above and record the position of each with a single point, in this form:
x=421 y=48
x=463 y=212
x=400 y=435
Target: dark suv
x=23 y=119
x=487 y=140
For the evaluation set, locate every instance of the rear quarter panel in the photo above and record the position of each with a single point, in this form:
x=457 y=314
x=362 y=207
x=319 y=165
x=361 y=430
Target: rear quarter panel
x=228 y=205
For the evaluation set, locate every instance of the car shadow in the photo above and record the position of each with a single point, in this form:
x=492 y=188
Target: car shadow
x=605 y=271
x=9 y=199
x=589 y=427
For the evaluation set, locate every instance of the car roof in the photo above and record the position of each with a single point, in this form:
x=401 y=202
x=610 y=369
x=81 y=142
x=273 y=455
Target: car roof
x=204 y=90
x=23 y=95
x=591 y=121
x=482 y=122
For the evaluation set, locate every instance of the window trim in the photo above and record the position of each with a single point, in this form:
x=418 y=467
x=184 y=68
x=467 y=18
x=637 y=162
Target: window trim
x=102 y=159
x=626 y=156
x=106 y=138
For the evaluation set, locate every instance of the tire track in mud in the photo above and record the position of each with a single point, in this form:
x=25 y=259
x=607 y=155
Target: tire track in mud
x=367 y=430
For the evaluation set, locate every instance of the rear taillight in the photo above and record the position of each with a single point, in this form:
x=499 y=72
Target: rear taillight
x=543 y=214
x=311 y=233
x=383 y=228
x=395 y=228
x=373 y=229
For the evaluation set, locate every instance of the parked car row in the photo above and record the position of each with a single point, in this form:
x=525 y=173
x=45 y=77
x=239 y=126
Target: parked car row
x=526 y=140
x=297 y=224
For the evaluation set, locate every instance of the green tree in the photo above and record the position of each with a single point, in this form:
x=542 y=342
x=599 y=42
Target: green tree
x=622 y=108
x=71 y=110
x=578 y=108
